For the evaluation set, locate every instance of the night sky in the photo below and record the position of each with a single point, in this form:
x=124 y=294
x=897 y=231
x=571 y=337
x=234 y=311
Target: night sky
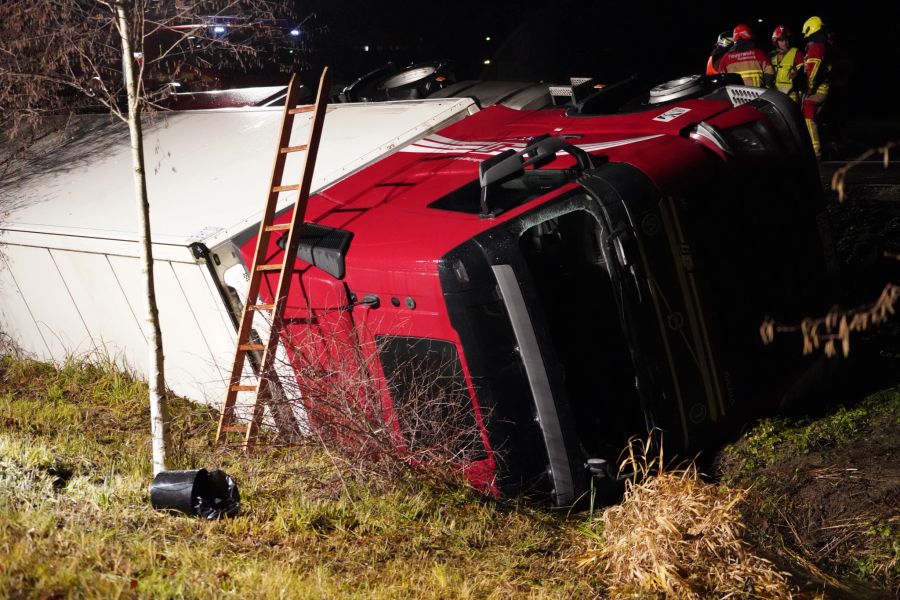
x=550 y=41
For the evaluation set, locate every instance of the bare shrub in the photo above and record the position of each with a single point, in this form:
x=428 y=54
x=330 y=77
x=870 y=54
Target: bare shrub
x=333 y=394
x=676 y=536
x=8 y=346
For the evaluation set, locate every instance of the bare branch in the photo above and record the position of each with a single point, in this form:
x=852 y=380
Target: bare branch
x=831 y=333
x=331 y=399
x=60 y=57
x=840 y=175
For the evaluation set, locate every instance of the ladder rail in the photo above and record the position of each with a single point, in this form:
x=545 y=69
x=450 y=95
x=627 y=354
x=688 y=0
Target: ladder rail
x=266 y=371
x=290 y=253
x=246 y=323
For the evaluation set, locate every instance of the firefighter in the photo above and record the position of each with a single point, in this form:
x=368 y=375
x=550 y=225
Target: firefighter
x=817 y=68
x=723 y=45
x=745 y=59
x=787 y=62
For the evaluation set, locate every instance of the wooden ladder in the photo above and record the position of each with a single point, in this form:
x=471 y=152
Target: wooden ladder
x=228 y=422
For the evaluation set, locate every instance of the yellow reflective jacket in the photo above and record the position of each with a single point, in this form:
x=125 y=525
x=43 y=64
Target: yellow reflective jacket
x=786 y=67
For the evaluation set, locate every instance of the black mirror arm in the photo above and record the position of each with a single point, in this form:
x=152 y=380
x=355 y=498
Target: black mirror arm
x=585 y=161
x=511 y=164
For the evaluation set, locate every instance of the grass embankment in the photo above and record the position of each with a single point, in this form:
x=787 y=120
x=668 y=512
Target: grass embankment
x=825 y=493
x=75 y=519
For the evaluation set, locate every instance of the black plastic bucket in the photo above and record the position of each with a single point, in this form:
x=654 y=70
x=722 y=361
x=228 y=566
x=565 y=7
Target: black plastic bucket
x=178 y=490
x=207 y=494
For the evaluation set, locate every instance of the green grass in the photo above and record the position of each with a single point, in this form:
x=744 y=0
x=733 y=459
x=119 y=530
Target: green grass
x=772 y=440
x=826 y=488
x=75 y=517
x=76 y=521
x=883 y=551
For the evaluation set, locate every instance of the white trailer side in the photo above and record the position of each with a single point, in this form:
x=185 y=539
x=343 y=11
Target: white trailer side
x=70 y=281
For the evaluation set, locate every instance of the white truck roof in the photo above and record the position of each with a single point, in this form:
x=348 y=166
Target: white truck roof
x=207 y=170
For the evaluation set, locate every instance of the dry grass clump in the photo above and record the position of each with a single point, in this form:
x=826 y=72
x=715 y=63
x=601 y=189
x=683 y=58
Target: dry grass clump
x=676 y=536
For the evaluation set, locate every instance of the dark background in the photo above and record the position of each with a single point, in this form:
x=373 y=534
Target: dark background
x=550 y=41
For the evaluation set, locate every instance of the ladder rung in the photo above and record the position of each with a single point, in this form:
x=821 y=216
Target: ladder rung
x=251 y=347
x=285 y=188
x=300 y=148
x=277 y=267
x=261 y=307
x=278 y=227
x=234 y=429
x=242 y=388
x=302 y=109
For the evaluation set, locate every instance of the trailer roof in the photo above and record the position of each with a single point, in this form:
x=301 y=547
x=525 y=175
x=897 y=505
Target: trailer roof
x=207 y=171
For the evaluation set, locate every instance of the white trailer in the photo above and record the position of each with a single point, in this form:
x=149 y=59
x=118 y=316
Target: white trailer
x=70 y=278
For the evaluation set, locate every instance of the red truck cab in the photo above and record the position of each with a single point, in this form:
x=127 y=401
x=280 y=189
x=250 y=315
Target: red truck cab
x=563 y=279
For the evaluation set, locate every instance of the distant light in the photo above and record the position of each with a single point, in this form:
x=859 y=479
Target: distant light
x=487 y=61
x=365 y=48
x=295 y=32
x=218 y=29
x=192 y=37
x=487 y=38
x=759 y=20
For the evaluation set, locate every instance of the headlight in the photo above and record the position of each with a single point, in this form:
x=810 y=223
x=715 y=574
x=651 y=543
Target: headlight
x=751 y=138
x=748 y=139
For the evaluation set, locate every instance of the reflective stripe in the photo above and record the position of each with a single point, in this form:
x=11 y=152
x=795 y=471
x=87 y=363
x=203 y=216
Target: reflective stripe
x=818 y=82
x=438 y=144
x=784 y=69
x=752 y=77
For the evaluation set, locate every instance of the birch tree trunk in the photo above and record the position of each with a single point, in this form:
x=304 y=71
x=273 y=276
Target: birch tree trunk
x=159 y=410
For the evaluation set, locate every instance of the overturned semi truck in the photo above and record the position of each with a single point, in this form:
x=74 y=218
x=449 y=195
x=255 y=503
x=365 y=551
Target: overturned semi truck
x=570 y=276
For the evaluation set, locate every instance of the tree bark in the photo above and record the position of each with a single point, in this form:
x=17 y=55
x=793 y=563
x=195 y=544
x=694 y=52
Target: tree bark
x=159 y=410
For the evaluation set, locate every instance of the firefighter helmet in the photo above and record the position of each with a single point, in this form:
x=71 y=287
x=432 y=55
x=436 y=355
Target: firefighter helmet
x=742 y=32
x=781 y=32
x=724 y=40
x=812 y=25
